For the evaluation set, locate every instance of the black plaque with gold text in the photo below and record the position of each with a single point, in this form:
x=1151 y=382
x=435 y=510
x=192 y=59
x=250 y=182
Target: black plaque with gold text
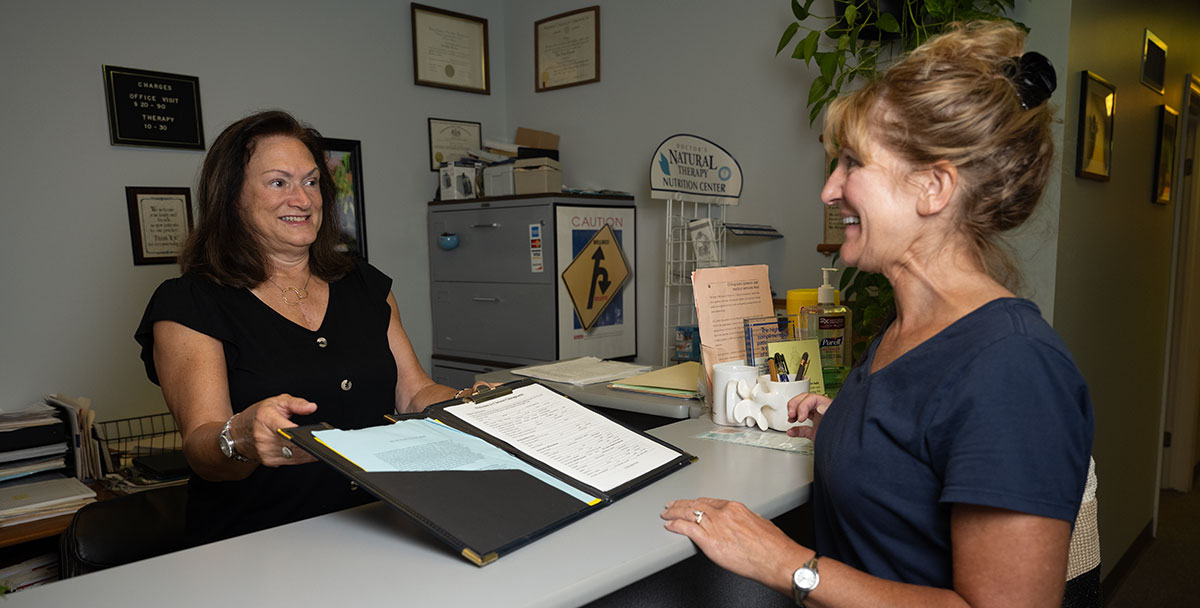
x=153 y=109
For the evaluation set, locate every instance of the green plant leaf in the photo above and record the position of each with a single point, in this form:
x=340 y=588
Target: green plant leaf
x=805 y=48
x=787 y=35
x=847 y=275
x=850 y=14
x=843 y=42
x=828 y=63
x=813 y=111
x=801 y=12
x=858 y=350
x=887 y=22
x=817 y=90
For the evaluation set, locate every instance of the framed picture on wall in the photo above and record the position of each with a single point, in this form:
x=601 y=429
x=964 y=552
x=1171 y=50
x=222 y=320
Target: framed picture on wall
x=160 y=220
x=1164 y=157
x=450 y=140
x=1154 y=62
x=1097 y=110
x=344 y=158
x=566 y=49
x=450 y=50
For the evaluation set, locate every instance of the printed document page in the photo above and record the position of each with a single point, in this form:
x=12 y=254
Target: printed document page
x=566 y=436
x=581 y=371
x=724 y=298
x=428 y=445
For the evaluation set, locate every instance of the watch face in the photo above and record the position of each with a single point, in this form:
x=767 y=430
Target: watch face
x=805 y=578
x=226 y=447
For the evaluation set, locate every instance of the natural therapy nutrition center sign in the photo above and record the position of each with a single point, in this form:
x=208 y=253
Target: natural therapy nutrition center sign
x=692 y=168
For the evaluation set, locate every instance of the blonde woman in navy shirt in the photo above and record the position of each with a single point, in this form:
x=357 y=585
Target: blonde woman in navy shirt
x=949 y=470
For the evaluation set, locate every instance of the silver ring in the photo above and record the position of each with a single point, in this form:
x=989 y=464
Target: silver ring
x=699 y=515
x=287 y=452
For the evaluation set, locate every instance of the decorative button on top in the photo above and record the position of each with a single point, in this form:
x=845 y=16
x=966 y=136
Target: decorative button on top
x=322 y=342
x=346 y=385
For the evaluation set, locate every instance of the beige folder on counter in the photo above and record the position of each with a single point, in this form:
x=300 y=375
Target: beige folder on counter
x=676 y=381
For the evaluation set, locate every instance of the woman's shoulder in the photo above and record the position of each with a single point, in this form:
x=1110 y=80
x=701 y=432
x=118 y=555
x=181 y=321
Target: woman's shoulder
x=373 y=280
x=190 y=288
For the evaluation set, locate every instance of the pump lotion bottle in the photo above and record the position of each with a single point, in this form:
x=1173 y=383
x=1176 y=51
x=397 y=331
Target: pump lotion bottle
x=829 y=324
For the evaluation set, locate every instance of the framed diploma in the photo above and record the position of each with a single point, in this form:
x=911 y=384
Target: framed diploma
x=450 y=50
x=159 y=222
x=450 y=140
x=566 y=49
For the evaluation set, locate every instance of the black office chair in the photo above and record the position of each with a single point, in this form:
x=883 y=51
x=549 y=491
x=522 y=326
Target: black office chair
x=123 y=530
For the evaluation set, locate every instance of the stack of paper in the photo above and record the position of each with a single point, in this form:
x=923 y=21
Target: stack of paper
x=32 y=572
x=33 y=439
x=676 y=381
x=27 y=502
x=581 y=371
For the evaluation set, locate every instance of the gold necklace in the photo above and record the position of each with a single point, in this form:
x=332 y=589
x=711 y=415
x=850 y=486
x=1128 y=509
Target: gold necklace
x=300 y=292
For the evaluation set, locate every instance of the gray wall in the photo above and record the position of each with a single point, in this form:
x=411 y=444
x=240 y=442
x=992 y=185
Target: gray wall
x=1114 y=255
x=72 y=294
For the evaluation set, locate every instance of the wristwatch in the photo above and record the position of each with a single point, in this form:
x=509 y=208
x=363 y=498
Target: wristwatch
x=805 y=579
x=227 y=446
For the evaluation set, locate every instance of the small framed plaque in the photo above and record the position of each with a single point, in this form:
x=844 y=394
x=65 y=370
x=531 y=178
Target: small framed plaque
x=1097 y=109
x=153 y=109
x=1154 y=62
x=450 y=140
x=159 y=222
x=566 y=49
x=1164 y=161
x=344 y=159
x=450 y=50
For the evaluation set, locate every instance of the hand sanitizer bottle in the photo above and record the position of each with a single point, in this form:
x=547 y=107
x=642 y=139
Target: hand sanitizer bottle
x=829 y=323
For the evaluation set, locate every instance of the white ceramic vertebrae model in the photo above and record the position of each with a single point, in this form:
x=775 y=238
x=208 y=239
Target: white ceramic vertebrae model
x=765 y=404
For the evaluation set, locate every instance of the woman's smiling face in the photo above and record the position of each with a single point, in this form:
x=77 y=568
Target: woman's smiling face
x=281 y=194
x=877 y=205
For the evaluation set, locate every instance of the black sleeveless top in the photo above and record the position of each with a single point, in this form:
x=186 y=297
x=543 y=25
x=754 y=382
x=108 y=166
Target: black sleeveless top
x=346 y=367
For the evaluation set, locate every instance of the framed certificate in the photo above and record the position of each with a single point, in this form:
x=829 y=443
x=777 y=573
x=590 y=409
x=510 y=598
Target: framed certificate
x=159 y=222
x=450 y=50
x=567 y=49
x=450 y=140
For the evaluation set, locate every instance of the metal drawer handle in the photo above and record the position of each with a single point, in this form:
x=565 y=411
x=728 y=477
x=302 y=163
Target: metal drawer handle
x=492 y=225
x=497 y=300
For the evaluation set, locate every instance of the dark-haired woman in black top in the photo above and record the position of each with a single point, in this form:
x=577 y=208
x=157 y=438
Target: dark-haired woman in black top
x=270 y=327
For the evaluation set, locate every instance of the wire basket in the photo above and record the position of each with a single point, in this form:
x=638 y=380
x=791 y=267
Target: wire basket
x=128 y=443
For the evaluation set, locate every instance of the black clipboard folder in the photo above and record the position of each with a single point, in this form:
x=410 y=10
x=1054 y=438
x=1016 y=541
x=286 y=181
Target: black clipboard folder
x=483 y=514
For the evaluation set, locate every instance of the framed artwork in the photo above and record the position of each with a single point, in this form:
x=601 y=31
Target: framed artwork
x=450 y=50
x=1164 y=158
x=450 y=140
x=344 y=159
x=1097 y=109
x=160 y=220
x=566 y=49
x=1154 y=62
x=154 y=109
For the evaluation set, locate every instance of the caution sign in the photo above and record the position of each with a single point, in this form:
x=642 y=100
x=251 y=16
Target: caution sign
x=595 y=277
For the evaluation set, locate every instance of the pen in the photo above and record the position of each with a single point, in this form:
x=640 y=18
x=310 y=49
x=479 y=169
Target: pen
x=803 y=366
x=782 y=366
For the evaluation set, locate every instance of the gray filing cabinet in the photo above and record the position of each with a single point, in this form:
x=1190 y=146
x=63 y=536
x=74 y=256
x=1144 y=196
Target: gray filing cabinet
x=494 y=267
